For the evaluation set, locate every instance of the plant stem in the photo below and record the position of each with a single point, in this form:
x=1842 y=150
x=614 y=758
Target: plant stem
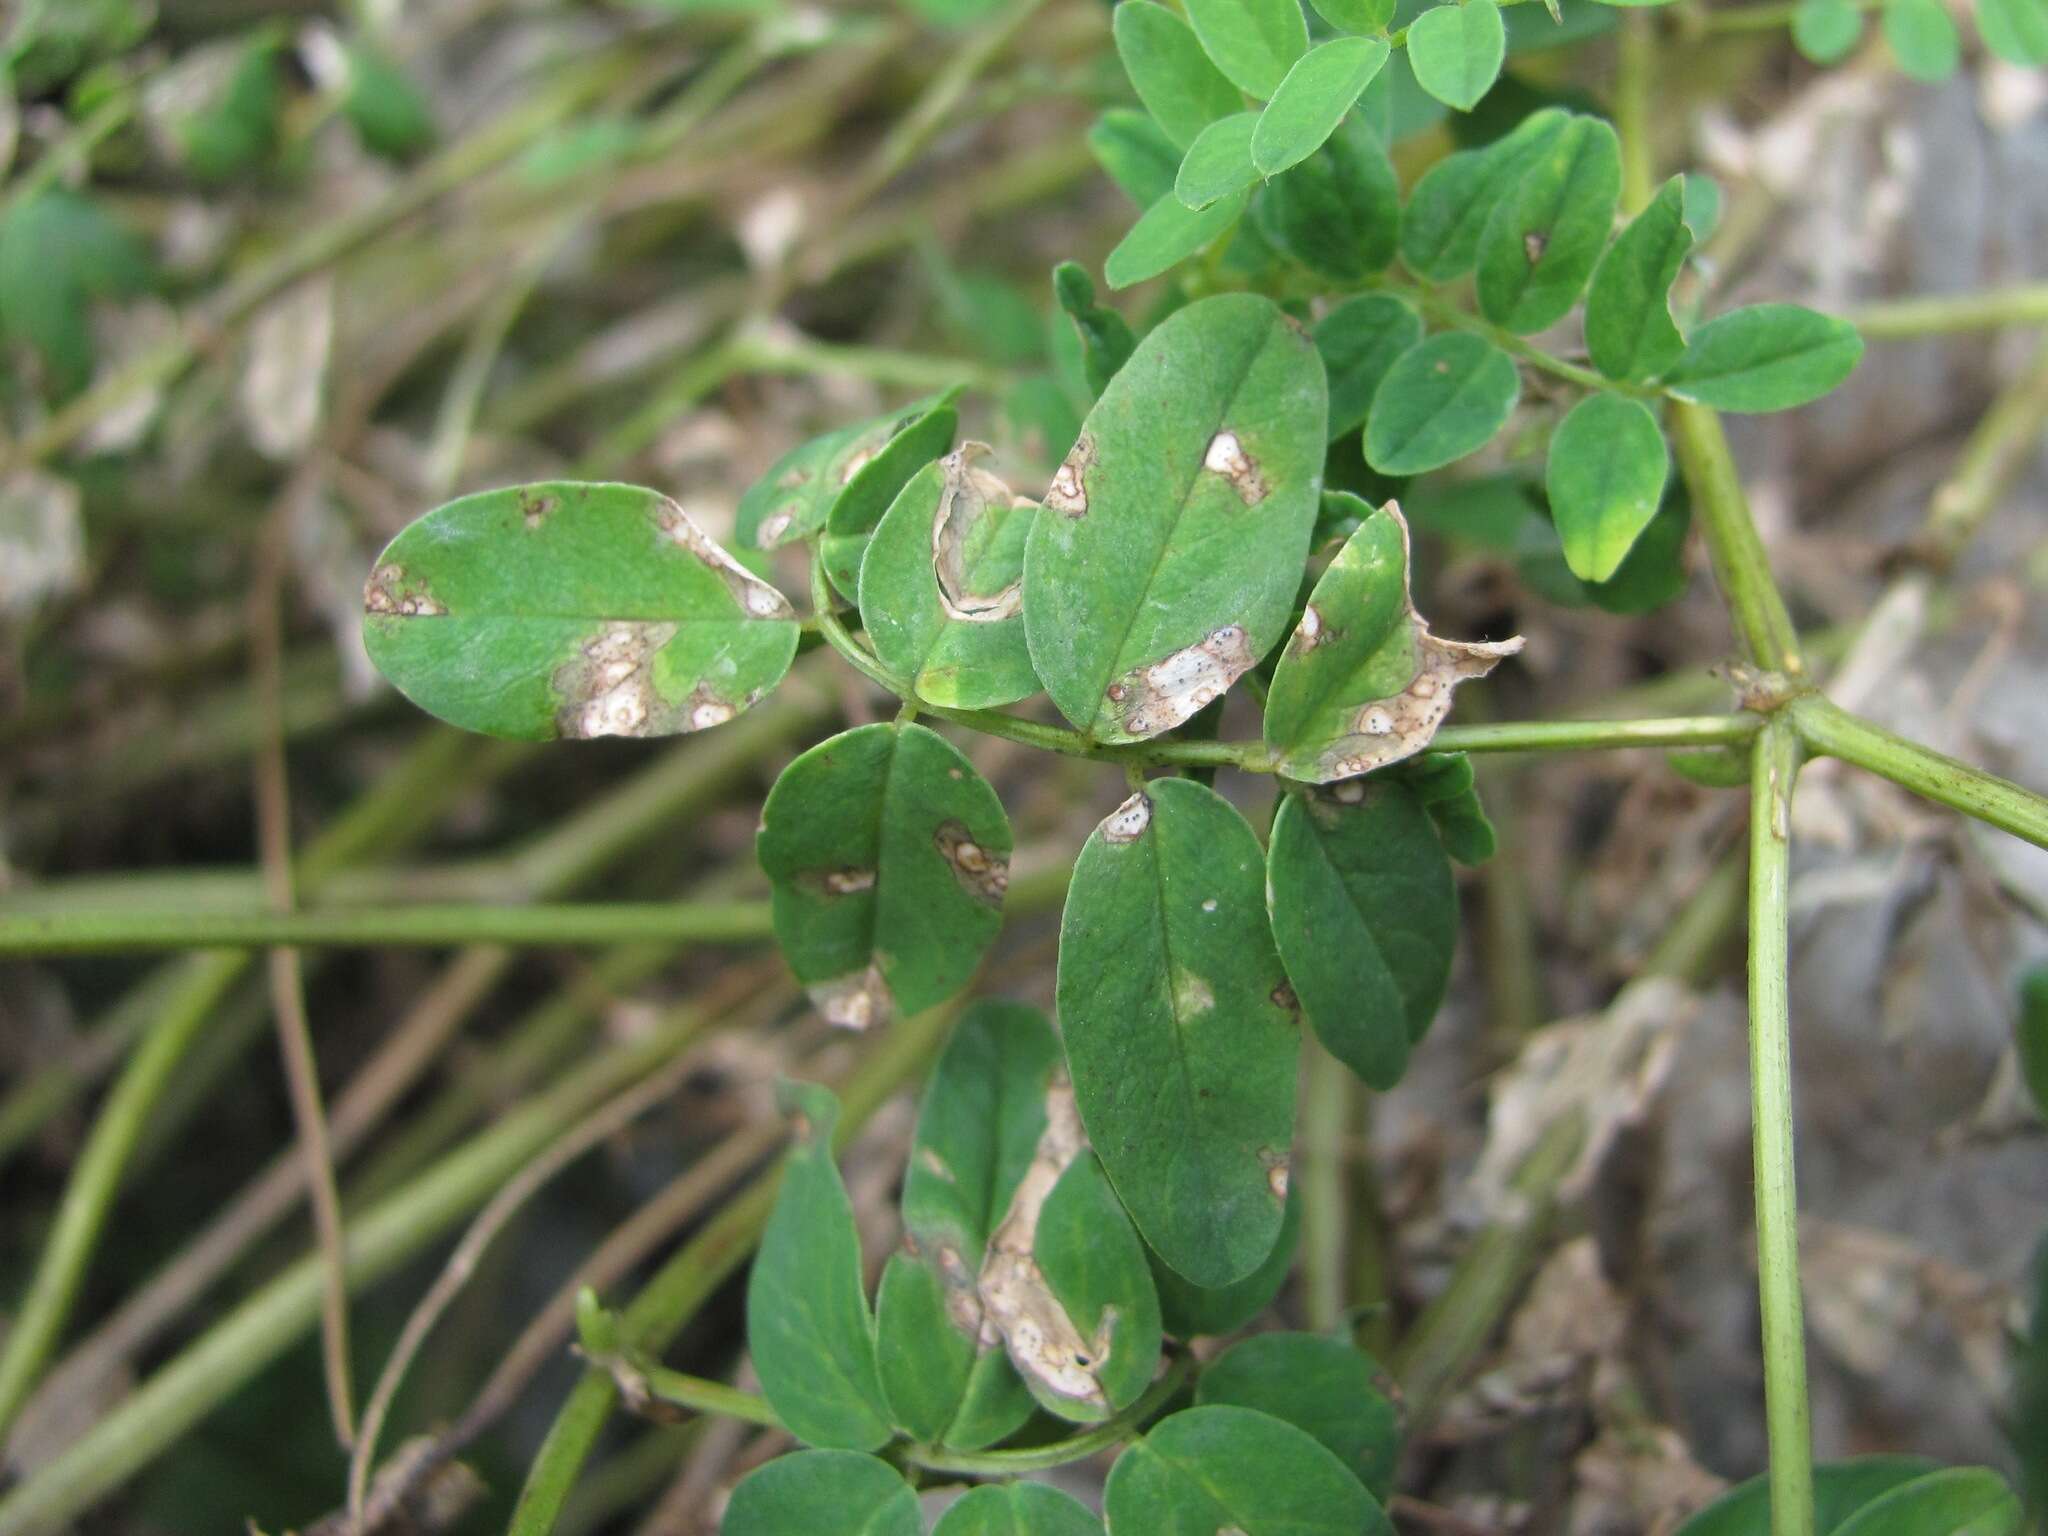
x=1448 y=312
x=1328 y=1105
x=1830 y=731
x=695 y=1393
x=1997 y=450
x=427 y=926
x=1740 y=565
x=1038 y=1458
x=1944 y=314
x=1773 y=767
x=1635 y=80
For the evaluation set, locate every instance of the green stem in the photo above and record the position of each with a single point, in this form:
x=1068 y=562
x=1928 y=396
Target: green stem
x=684 y=1391
x=1037 y=1458
x=1740 y=564
x=1999 y=447
x=432 y=927
x=1634 y=84
x=1830 y=731
x=1328 y=1104
x=1448 y=312
x=1944 y=314
x=1773 y=767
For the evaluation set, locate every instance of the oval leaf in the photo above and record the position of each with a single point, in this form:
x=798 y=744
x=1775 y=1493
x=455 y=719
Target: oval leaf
x=822 y=1491
x=1605 y=478
x=1456 y=51
x=1840 y=1488
x=1355 y=15
x=1338 y=213
x=868 y=485
x=1923 y=37
x=1167 y=234
x=1540 y=244
x=2015 y=30
x=578 y=610
x=1826 y=30
x=941 y=585
x=1441 y=400
x=808 y=1327
x=1366 y=918
x=1629 y=330
x=1956 y=1501
x=1359 y=341
x=889 y=856
x=794 y=500
x=1180 y=1031
x=1017 y=1509
x=1182 y=90
x=1136 y=154
x=1220 y=1468
x=1451 y=204
x=1768 y=357
x=1312 y=100
x=1321 y=1386
x=1172 y=539
x=1363 y=683
x=1254 y=42
x=1188 y=1310
x=1219 y=162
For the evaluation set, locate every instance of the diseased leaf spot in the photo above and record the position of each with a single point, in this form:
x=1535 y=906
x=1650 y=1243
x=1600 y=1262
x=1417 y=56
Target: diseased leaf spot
x=1169 y=691
x=962 y=524
x=1283 y=997
x=1068 y=493
x=937 y=1167
x=534 y=510
x=1127 y=823
x=1191 y=995
x=860 y=461
x=756 y=598
x=1311 y=631
x=388 y=591
x=982 y=874
x=1225 y=456
x=1534 y=244
x=607 y=689
x=857 y=1001
x=773 y=527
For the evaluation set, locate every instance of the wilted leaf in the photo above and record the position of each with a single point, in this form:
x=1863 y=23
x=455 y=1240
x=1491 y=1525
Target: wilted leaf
x=1180 y=1030
x=1456 y=51
x=1605 y=479
x=1768 y=357
x=1321 y=1386
x=1321 y=87
x=889 y=856
x=1172 y=538
x=1182 y=90
x=808 y=1328
x=573 y=609
x=822 y=1491
x=1208 y=1470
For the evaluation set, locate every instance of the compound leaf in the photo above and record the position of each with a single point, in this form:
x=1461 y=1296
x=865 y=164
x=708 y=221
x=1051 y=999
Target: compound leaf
x=1442 y=399
x=1321 y=1386
x=1605 y=478
x=888 y=856
x=1216 y=1468
x=1180 y=1031
x=572 y=609
x=1768 y=357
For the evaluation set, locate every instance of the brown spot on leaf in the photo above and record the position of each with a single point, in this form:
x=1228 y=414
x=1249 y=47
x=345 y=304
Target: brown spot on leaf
x=1311 y=631
x=1068 y=492
x=1171 y=690
x=1226 y=456
x=856 y=1001
x=607 y=687
x=390 y=591
x=983 y=874
x=1534 y=244
x=1283 y=997
x=756 y=599
x=1127 y=823
x=969 y=503
x=535 y=509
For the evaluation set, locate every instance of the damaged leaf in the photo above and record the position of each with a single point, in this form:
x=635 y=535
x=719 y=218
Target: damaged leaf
x=1017 y=1509
x=1321 y=1386
x=808 y=1327
x=888 y=856
x=822 y=1491
x=1365 y=914
x=1173 y=536
x=1441 y=399
x=941 y=585
x=794 y=500
x=1362 y=682
x=920 y=435
x=1188 y=1310
x=1065 y=1284
x=1220 y=1468
x=1542 y=240
x=575 y=610
x=1180 y=1029
x=946 y=1378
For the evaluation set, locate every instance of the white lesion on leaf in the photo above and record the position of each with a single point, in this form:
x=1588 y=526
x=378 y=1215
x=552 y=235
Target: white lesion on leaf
x=1018 y=1306
x=1226 y=456
x=1127 y=823
x=1068 y=492
x=1162 y=694
x=756 y=599
x=856 y=1001
x=607 y=687
x=390 y=591
x=982 y=872
x=971 y=502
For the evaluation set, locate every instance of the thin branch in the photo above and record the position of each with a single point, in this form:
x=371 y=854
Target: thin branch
x=1743 y=569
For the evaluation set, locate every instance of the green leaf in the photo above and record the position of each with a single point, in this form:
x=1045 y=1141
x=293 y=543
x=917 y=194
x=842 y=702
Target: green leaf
x=1338 y=213
x=1219 y=162
x=1826 y=30
x=572 y=609
x=978 y=1130
x=1136 y=154
x=808 y=1327
x=1922 y=35
x=388 y=112
x=1457 y=50
x=1768 y=357
x=822 y=1491
x=2015 y=30
x=1366 y=917
x=1172 y=540
x=1451 y=204
x=1629 y=329
x=1359 y=341
x=224 y=108
x=794 y=500
x=1442 y=399
x=1956 y=1501
x=1839 y=1489
x=1461 y=822
x=2031 y=1037
x=1321 y=1386
x=1702 y=205
x=1208 y=1469
x=1179 y=1028
x=1312 y=100
x=1105 y=336
x=1363 y=683
x=889 y=856
x=1540 y=244
x=868 y=486
x=1254 y=42
x=1605 y=479
x=58 y=252
x=1182 y=90
x=1017 y=1509
x=1356 y=15
x=941 y=586
x=1167 y=234
x=1652 y=574
x=1188 y=1310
